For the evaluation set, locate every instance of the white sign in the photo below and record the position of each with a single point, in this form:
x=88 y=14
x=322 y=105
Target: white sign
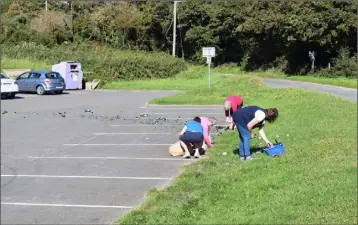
x=208 y=51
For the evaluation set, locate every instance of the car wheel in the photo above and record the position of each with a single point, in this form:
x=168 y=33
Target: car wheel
x=11 y=95
x=40 y=90
x=59 y=92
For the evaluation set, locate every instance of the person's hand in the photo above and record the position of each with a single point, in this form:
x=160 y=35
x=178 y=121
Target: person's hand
x=232 y=126
x=269 y=143
x=228 y=120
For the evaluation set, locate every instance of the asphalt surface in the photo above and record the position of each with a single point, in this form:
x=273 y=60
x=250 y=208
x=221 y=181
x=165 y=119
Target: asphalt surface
x=62 y=165
x=346 y=93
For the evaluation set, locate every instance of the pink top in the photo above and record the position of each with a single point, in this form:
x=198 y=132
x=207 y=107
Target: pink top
x=205 y=122
x=235 y=102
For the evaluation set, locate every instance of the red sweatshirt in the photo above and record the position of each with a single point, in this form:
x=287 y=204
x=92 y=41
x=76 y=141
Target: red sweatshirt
x=236 y=102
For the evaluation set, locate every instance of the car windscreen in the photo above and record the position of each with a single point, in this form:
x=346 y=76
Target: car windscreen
x=53 y=75
x=3 y=76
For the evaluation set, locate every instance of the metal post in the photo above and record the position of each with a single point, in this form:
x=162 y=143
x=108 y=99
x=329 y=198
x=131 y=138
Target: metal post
x=174 y=27
x=46 y=5
x=209 y=74
x=72 y=32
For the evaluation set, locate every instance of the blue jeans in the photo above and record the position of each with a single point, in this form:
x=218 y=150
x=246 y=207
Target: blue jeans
x=244 y=138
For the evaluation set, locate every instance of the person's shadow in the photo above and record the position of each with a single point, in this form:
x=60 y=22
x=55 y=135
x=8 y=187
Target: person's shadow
x=252 y=150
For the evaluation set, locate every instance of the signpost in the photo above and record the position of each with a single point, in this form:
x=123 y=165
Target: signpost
x=209 y=52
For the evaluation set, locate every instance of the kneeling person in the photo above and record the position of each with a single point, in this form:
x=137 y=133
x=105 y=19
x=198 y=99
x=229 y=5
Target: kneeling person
x=192 y=136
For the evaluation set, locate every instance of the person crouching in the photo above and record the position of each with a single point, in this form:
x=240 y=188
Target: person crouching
x=192 y=137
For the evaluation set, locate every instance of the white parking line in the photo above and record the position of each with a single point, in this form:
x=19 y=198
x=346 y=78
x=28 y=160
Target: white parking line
x=186 y=113
x=168 y=118
x=109 y=157
x=66 y=205
x=163 y=108
x=131 y=133
x=85 y=177
x=117 y=144
x=142 y=125
x=153 y=125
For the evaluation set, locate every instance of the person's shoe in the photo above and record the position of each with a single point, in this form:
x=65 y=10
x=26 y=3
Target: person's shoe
x=197 y=155
x=241 y=158
x=249 y=158
x=186 y=155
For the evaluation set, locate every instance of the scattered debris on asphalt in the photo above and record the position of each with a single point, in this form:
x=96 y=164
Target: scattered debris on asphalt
x=4 y=112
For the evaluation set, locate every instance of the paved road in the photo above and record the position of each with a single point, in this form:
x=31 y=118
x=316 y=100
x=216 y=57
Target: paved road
x=62 y=165
x=346 y=93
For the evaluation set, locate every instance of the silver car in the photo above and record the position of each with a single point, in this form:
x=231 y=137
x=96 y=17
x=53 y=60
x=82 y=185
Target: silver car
x=41 y=81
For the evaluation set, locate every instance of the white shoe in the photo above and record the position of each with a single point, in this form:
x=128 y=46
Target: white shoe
x=197 y=155
x=186 y=155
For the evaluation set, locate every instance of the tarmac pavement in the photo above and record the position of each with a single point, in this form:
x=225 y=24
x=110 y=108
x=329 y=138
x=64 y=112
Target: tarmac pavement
x=86 y=157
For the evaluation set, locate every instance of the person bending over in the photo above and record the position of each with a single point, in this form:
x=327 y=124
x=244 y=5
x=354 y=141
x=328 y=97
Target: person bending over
x=249 y=118
x=231 y=105
x=192 y=137
x=206 y=123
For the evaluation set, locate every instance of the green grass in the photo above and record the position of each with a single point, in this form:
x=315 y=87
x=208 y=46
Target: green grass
x=198 y=75
x=314 y=182
x=338 y=81
x=7 y=63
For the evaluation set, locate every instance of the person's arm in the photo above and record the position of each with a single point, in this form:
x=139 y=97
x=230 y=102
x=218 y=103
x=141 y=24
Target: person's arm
x=259 y=116
x=263 y=135
x=207 y=139
x=183 y=130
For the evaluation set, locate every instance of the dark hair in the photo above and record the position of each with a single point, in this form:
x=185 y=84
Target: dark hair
x=271 y=114
x=197 y=119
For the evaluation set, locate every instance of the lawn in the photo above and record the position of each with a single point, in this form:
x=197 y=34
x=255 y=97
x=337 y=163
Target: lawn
x=314 y=182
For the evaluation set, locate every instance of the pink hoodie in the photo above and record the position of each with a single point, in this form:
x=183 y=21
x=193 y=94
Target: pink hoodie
x=205 y=122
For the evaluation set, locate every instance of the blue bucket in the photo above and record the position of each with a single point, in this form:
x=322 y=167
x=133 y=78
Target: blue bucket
x=275 y=150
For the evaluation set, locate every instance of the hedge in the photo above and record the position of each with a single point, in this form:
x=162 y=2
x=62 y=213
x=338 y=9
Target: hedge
x=102 y=63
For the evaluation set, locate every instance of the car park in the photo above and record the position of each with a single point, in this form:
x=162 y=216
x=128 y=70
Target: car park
x=9 y=87
x=41 y=82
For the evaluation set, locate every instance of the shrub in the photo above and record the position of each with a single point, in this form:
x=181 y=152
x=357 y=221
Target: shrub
x=102 y=63
x=344 y=65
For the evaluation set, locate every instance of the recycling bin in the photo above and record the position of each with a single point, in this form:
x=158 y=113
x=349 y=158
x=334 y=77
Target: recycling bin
x=71 y=73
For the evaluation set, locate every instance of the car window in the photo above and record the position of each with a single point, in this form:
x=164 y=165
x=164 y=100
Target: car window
x=35 y=75
x=24 y=76
x=3 y=76
x=52 y=75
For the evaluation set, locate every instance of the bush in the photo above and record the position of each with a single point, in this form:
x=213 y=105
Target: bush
x=344 y=65
x=102 y=63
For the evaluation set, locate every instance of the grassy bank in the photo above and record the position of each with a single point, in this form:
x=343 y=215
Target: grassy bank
x=198 y=76
x=337 y=81
x=105 y=63
x=7 y=63
x=313 y=182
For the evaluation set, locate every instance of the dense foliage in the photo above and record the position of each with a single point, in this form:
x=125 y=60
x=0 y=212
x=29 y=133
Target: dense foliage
x=252 y=34
x=102 y=62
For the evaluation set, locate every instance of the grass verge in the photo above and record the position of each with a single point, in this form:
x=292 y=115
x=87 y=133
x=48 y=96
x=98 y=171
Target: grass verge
x=337 y=81
x=7 y=63
x=314 y=182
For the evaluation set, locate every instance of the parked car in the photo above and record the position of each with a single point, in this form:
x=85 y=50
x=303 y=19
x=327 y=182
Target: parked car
x=41 y=81
x=9 y=88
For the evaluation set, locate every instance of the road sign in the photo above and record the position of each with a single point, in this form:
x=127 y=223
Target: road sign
x=208 y=51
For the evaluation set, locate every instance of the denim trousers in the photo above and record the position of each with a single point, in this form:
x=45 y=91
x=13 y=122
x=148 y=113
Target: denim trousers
x=244 y=139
